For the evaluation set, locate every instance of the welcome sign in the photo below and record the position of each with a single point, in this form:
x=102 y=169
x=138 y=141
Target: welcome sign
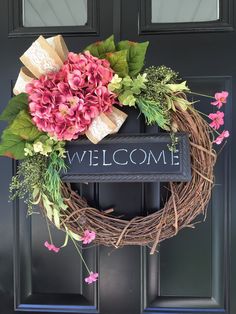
x=129 y=158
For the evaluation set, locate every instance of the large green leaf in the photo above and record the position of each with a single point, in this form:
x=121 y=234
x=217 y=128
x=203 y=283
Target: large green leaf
x=118 y=62
x=99 y=49
x=15 y=105
x=135 y=56
x=12 y=145
x=23 y=127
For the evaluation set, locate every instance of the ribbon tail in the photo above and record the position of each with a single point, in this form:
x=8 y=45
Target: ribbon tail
x=99 y=128
x=24 y=77
x=105 y=124
x=118 y=117
x=59 y=45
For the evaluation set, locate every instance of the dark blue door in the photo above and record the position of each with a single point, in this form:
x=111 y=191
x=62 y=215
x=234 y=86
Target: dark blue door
x=194 y=272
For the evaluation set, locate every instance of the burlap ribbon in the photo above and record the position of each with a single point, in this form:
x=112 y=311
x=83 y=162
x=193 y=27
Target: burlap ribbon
x=47 y=55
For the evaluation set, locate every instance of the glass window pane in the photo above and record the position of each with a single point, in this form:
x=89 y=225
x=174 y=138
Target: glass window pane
x=39 y=13
x=177 y=11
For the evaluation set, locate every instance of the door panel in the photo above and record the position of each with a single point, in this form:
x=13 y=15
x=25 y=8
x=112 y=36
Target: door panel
x=191 y=273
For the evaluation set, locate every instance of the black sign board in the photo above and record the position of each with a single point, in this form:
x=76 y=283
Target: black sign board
x=128 y=158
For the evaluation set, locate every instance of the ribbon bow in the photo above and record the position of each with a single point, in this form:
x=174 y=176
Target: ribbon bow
x=47 y=55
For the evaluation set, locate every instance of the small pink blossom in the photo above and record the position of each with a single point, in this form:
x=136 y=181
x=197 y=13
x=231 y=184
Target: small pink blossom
x=88 y=236
x=217 y=119
x=221 y=99
x=221 y=137
x=51 y=247
x=91 y=278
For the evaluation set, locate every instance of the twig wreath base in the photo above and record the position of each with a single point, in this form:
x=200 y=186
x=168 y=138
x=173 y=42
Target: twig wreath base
x=186 y=201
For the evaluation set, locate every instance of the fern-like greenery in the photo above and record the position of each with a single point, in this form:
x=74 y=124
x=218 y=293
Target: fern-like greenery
x=154 y=113
x=52 y=180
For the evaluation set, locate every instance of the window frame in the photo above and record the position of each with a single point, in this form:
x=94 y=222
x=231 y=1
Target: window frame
x=224 y=23
x=16 y=28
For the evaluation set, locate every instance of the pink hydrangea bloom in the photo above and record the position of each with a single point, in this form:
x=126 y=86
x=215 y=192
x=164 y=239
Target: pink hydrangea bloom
x=91 y=278
x=217 y=119
x=221 y=99
x=51 y=247
x=221 y=137
x=64 y=103
x=88 y=236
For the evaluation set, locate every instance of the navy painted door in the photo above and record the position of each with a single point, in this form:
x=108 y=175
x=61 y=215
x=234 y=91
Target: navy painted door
x=192 y=273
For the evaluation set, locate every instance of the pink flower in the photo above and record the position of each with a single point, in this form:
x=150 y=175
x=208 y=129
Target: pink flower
x=91 y=112
x=64 y=104
x=221 y=137
x=75 y=80
x=88 y=237
x=91 y=278
x=217 y=119
x=220 y=99
x=63 y=88
x=51 y=247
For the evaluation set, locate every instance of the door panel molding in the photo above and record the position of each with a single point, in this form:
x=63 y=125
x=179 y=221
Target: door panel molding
x=27 y=296
x=157 y=296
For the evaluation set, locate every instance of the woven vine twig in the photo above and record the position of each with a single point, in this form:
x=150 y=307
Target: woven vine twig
x=187 y=200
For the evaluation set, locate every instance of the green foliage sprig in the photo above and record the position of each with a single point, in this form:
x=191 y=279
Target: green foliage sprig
x=29 y=177
x=161 y=95
x=52 y=179
x=38 y=180
x=154 y=113
x=127 y=88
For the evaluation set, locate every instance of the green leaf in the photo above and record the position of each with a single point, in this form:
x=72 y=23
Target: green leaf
x=127 y=98
x=36 y=196
x=74 y=235
x=136 y=55
x=115 y=84
x=15 y=105
x=181 y=87
x=47 y=204
x=66 y=240
x=118 y=61
x=23 y=126
x=99 y=49
x=139 y=84
x=56 y=215
x=36 y=193
x=181 y=102
x=12 y=145
x=170 y=103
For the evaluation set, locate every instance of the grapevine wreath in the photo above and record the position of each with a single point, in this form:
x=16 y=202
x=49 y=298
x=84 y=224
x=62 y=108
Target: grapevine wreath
x=61 y=96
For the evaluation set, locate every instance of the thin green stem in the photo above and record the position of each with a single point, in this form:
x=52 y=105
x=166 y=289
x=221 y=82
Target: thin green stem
x=198 y=94
x=49 y=232
x=78 y=250
x=202 y=113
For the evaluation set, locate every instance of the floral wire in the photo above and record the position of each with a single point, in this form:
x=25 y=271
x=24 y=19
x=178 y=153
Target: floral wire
x=198 y=94
x=222 y=147
x=205 y=115
x=78 y=250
